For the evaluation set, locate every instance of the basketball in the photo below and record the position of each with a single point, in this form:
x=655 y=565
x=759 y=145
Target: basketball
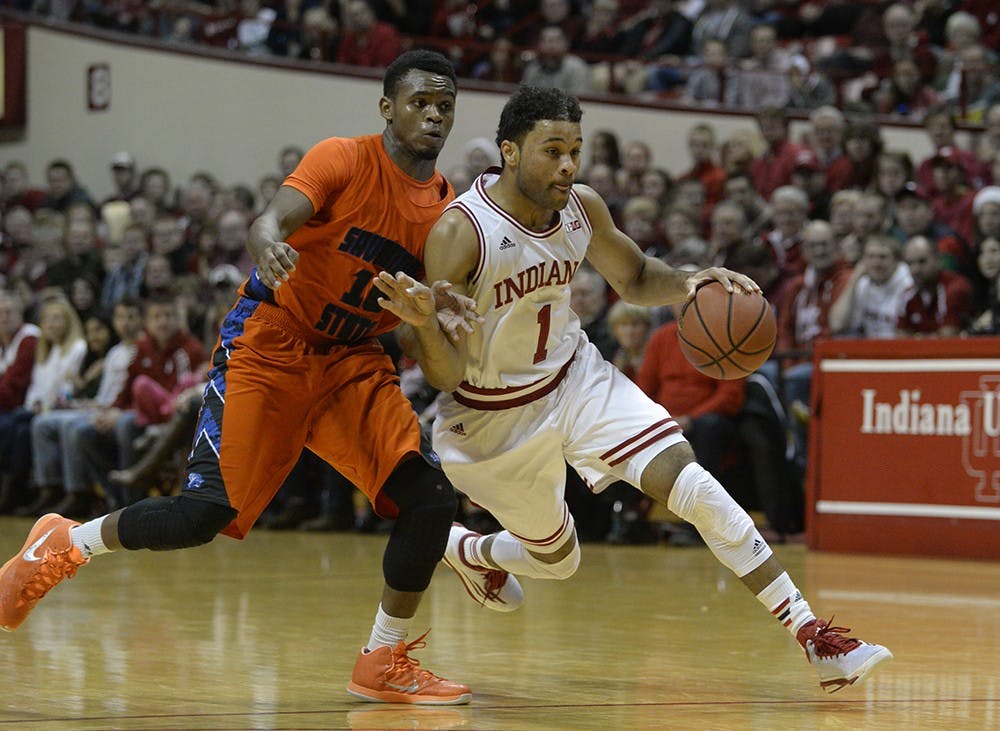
x=726 y=335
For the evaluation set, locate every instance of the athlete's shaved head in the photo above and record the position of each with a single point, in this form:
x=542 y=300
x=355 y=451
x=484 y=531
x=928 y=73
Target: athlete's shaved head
x=422 y=60
x=531 y=104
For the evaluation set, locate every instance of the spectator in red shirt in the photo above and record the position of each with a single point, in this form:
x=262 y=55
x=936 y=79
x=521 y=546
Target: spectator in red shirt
x=16 y=189
x=167 y=360
x=705 y=407
x=17 y=352
x=915 y=217
x=804 y=317
x=789 y=210
x=904 y=94
x=952 y=202
x=941 y=301
x=902 y=41
x=863 y=143
x=774 y=168
x=366 y=40
x=701 y=146
x=809 y=176
x=940 y=127
x=17 y=358
x=826 y=138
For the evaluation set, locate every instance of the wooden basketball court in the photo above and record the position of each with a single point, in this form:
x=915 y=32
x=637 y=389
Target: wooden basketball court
x=263 y=635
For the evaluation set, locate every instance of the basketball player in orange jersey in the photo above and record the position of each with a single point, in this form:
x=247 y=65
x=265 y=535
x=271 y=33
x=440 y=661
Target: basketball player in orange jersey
x=297 y=365
x=526 y=389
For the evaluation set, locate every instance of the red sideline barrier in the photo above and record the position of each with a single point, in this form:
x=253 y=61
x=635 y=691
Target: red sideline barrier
x=904 y=449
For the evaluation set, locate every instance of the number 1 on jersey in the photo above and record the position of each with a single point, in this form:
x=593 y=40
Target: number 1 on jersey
x=544 y=323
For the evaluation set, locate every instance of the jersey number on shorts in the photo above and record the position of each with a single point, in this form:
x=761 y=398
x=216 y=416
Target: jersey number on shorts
x=544 y=323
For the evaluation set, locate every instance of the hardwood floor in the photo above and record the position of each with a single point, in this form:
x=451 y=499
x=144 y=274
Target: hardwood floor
x=263 y=635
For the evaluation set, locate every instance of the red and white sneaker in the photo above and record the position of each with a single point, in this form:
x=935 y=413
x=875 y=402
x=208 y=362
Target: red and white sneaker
x=839 y=660
x=47 y=557
x=493 y=588
x=389 y=675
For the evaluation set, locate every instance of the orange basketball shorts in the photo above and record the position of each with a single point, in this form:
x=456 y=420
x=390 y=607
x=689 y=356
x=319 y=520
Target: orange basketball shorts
x=270 y=394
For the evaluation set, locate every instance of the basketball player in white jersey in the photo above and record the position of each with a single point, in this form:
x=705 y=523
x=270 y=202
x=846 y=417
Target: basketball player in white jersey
x=526 y=390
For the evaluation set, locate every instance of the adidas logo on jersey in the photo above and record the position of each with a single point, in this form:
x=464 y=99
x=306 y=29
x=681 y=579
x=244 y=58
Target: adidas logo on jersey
x=458 y=429
x=506 y=244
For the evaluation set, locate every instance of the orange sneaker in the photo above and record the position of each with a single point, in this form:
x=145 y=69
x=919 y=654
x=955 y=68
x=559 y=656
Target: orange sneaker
x=389 y=675
x=45 y=559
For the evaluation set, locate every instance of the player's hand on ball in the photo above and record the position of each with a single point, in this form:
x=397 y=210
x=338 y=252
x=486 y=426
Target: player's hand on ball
x=276 y=264
x=455 y=312
x=730 y=280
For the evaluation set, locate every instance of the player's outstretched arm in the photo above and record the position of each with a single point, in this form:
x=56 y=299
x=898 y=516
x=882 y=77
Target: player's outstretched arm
x=450 y=254
x=274 y=258
x=638 y=278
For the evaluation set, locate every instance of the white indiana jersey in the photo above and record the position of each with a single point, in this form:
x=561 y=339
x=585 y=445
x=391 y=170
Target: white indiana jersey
x=521 y=286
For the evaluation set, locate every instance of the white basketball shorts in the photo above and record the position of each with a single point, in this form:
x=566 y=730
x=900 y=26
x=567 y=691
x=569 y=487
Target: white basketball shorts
x=511 y=461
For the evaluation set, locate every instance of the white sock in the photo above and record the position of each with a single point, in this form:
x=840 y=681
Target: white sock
x=474 y=552
x=388 y=630
x=783 y=599
x=510 y=554
x=87 y=537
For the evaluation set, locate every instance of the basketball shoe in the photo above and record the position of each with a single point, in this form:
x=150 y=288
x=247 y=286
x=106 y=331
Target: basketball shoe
x=389 y=675
x=491 y=588
x=47 y=557
x=839 y=660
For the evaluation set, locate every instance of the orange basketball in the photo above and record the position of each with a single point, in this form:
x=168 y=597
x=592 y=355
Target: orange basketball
x=726 y=335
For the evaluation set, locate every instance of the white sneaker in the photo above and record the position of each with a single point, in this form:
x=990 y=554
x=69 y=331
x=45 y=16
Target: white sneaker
x=839 y=660
x=491 y=588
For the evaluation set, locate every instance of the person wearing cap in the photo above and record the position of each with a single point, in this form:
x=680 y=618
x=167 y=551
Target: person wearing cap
x=939 y=124
x=986 y=211
x=810 y=177
x=953 y=195
x=940 y=301
x=914 y=216
x=124 y=177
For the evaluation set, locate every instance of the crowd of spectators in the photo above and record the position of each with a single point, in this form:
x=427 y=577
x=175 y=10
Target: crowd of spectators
x=890 y=58
x=846 y=235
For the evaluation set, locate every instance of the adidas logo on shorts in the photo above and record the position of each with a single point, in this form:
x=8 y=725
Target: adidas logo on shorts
x=457 y=429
